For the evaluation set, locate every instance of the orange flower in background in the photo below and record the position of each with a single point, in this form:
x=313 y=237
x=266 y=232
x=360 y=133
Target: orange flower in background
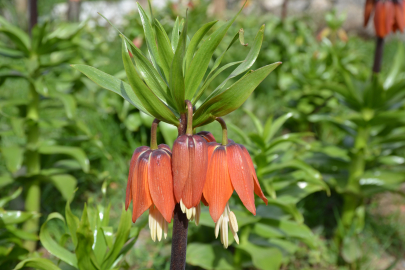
x=229 y=168
x=150 y=186
x=207 y=136
x=389 y=15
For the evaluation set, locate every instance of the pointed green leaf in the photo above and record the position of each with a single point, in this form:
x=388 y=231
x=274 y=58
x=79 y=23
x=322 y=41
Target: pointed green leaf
x=75 y=152
x=210 y=79
x=13 y=156
x=175 y=34
x=256 y=122
x=19 y=37
x=72 y=223
x=52 y=246
x=247 y=63
x=196 y=71
x=15 y=217
x=111 y=83
x=150 y=75
x=232 y=98
x=275 y=126
x=6 y=199
x=65 y=183
x=150 y=38
x=36 y=263
x=395 y=68
x=85 y=241
x=121 y=237
x=165 y=50
x=149 y=100
x=198 y=36
x=176 y=72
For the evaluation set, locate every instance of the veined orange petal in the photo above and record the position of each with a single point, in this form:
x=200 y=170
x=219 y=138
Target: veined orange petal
x=207 y=136
x=241 y=177
x=367 y=11
x=390 y=16
x=161 y=182
x=198 y=168
x=138 y=151
x=380 y=19
x=165 y=147
x=258 y=190
x=211 y=148
x=140 y=187
x=180 y=165
x=218 y=187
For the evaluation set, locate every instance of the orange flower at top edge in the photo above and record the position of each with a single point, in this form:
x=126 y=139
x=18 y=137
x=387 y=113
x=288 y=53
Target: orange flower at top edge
x=389 y=15
x=150 y=186
x=229 y=168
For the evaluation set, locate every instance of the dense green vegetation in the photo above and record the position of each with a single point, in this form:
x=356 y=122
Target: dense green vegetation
x=326 y=136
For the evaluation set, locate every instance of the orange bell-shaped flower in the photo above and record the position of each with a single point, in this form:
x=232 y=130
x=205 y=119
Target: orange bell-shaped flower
x=190 y=162
x=150 y=186
x=389 y=16
x=229 y=168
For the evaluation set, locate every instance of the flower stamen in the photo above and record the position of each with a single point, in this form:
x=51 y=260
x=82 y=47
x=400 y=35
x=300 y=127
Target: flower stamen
x=227 y=217
x=157 y=224
x=193 y=213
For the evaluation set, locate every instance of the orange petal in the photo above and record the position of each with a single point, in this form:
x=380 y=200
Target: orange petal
x=138 y=151
x=140 y=187
x=390 y=16
x=204 y=200
x=241 y=177
x=258 y=190
x=211 y=148
x=180 y=165
x=380 y=20
x=161 y=182
x=218 y=187
x=207 y=136
x=198 y=168
x=165 y=147
x=367 y=11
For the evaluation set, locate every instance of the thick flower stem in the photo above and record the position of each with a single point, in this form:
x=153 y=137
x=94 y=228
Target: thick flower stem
x=153 y=131
x=180 y=224
x=378 y=55
x=224 y=131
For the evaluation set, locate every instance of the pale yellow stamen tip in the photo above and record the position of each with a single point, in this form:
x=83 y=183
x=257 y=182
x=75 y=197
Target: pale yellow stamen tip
x=227 y=218
x=157 y=224
x=192 y=213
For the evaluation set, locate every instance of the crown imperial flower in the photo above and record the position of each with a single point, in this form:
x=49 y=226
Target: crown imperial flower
x=229 y=168
x=150 y=186
x=389 y=15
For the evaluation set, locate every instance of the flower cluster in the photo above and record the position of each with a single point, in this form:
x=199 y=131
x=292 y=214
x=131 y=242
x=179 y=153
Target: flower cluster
x=389 y=16
x=198 y=169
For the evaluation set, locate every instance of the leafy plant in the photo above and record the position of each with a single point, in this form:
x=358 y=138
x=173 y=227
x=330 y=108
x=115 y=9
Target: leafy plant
x=33 y=159
x=91 y=238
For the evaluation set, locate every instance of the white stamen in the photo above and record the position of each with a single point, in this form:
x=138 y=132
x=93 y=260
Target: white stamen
x=193 y=213
x=227 y=218
x=157 y=224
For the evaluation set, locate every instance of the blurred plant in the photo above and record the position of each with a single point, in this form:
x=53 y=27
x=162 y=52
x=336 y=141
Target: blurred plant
x=334 y=29
x=32 y=157
x=11 y=235
x=367 y=160
x=91 y=238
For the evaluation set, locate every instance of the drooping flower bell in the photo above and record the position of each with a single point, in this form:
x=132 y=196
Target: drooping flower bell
x=150 y=185
x=389 y=16
x=190 y=161
x=229 y=168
